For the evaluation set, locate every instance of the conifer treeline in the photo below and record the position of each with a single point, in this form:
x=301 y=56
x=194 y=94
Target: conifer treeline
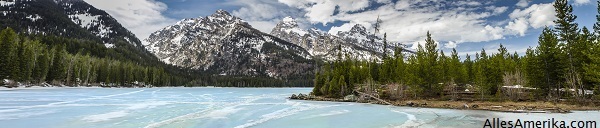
x=33 y=62
x=566 y=58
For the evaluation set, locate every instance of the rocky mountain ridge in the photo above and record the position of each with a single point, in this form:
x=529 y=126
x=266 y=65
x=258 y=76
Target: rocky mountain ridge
x=226 y=45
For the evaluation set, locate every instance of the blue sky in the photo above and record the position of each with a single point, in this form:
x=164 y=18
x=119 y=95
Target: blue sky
x=467 y=25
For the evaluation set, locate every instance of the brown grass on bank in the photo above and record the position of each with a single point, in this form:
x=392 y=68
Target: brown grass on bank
x=503 y=106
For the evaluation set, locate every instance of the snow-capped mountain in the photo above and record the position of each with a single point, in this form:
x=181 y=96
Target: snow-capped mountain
x=226 y=45
x=357 y=43
x=68 y=18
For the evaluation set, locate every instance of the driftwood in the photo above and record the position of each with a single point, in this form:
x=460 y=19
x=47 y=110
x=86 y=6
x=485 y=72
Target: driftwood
x=380 y=100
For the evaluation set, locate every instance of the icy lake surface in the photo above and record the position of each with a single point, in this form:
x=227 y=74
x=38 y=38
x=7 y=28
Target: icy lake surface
x=224 y=107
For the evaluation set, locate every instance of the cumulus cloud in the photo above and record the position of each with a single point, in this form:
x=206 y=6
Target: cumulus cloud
x=518 y=26
x=536 y=16
x=322 y=11
x=407 y=21
x=456 y=24
x=523 y=3
x=141 y=17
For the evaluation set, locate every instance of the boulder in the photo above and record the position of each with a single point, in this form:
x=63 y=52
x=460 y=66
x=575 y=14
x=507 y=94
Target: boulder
x=294 y=96
x=350 y=98
x=410 y=103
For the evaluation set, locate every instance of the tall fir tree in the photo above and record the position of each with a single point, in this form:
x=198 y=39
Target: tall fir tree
x=27 y=60
x=41 y=66
x=385 y=45
x=567 y=31
x=400 y=69
x=468 y=64
x=429 y=67
x=58 y=69
x=8 y=53
x=549 y=63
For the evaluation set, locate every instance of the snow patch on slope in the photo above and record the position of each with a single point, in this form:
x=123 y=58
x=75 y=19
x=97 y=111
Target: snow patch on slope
x=6 y=3
x=34 y=17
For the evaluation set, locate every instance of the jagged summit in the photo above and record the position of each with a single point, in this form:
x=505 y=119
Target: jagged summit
x=360 y=29
x=223 y=16
x=357 y=42
x=222 y=12
x=288 y=26
x=289 y=21
x=227 y=45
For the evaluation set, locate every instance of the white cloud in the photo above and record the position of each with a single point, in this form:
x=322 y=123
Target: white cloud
x=321 y=12
x=450 y=25
x=581 y=2
x=142 y=17
x=352 y=5
x=422 y=42
x=384 y=1
x=450 y=44
x=523 y=3
x=402 y=4
x=468 y=3
x=345 y=27
x=519 y=26
x=407 y=21
x=497 y=10
x=535 y=16
x=265 y=14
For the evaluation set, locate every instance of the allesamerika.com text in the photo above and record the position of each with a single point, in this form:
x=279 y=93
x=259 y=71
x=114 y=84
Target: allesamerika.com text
x=549 y=123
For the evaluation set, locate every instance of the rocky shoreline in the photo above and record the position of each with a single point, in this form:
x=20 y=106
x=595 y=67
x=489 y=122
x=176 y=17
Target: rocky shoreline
x=504 y=106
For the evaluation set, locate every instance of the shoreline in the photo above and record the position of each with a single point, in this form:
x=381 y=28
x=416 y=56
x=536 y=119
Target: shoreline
x=2 y=88
x=500 y=106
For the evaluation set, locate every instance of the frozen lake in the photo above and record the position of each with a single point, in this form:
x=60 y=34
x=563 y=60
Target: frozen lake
x=225 y=107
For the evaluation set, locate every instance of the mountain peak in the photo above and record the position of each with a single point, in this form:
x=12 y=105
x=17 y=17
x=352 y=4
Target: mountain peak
x=221 y=13
x=359 y=28
x=288 y=22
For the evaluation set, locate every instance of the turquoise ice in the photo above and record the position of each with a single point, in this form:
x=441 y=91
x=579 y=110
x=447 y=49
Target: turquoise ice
x=224 y=107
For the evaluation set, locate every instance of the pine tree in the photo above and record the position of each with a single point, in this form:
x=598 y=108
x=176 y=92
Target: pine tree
x=27 y=60
x=566 y=29
x=318 y=84
x=444 y=67
x=468 y=64
x=549 y=63
x=457 y=71
x=427 y=66
x=385 y=54
x=533 y=73
x=58 y=70
x=334 y=86
x=592 y=69
x=42 y=65
x=400 y=69
x=377 y=25
x=8 y=53
x=343 y=86
x=585 y=42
